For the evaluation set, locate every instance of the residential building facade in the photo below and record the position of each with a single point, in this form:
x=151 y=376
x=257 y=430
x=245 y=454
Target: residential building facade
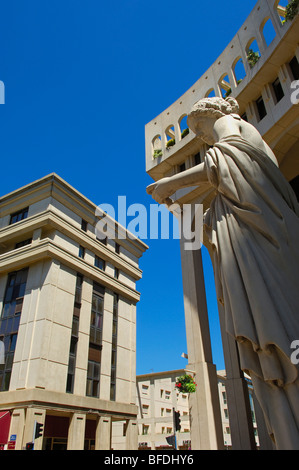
x=157 y=398
x=67 y=321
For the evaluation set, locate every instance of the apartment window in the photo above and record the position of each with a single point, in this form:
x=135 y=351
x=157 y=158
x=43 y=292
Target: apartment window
x=116 y=273
x=10 y=319
x=294 y=66
x=145 y=409
x=224 y=397
x=117 y=248
x=144 y=389
x=23 y=243
x=182 y=167
x=278 y=91
x=261 y=109
x=95 y=341
x=84 y=225
x=74 y=336
x=99 y=263
x=114 y=347
x=167 y=395
x=20 y=215
x=197 y=159
x=145 y=429
x=226 y=412
x=81 y=252
x=93 y=379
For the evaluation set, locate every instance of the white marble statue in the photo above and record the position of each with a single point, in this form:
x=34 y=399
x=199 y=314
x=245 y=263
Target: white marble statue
x=253 y=227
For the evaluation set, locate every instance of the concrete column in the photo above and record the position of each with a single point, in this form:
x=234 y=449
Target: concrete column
x=32 y=415
x=205 y=419
x=76 y=434
x=17 y=424
x=240 y=419
x=103 y=433
x=131 y=434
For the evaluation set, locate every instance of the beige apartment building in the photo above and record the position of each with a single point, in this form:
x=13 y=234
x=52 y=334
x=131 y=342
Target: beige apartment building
x=157 y=397
x=260 y=68
x=68 y=322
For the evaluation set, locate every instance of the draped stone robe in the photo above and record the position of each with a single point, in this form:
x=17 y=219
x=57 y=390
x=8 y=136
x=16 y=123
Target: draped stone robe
x=253 y=226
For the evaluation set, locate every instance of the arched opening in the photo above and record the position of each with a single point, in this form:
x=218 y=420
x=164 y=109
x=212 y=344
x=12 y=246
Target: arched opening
x=252 y=52
x=157 y=146
x=268 y=31
x=280 y=7
x=170 y=136
x=238 y=70
x=184 y=129
x=210 y=93
x=224 y=86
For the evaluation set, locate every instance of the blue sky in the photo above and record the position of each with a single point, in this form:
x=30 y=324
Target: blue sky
x=82 y=79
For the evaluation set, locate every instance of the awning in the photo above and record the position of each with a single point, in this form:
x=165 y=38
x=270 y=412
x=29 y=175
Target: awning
x=4 y=426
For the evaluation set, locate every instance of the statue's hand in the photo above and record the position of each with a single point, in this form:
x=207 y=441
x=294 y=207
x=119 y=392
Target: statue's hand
x=161 y=190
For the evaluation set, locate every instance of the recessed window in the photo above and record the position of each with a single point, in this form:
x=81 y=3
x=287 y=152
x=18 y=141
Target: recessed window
x=278 y=91
x=81 y=252
x=99 y=263
x=261 y=109
x=23 y=243
x=84 y=225
x=182 y=167
x=294 y=66
x=197 y=159
x=20 y=215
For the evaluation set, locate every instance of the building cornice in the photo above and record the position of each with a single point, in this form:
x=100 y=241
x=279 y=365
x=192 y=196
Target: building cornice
x=54 y=186
x=53 y=220
x=47 y=249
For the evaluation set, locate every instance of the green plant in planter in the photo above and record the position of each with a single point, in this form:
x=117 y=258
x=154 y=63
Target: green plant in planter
x=292 y=10
x=185 y=384
x=185 y=132
x=252 y=57
x=170 y=143
x=157 y=153
x=228 y=92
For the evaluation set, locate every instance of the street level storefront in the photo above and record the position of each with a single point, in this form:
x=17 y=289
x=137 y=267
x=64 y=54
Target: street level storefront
x=5 y=417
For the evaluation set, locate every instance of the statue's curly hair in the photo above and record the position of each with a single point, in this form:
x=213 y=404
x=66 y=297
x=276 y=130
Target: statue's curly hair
x=215 y=107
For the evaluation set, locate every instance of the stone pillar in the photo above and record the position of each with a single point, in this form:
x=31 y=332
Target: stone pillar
x=76 y=434
x=32 y=415
x=17 y=425
x=131 y=434
x=103 y=433
x=240 y=419
x=205 y=417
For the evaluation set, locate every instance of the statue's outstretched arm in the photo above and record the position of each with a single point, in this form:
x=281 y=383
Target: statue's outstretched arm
x=161 y=190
